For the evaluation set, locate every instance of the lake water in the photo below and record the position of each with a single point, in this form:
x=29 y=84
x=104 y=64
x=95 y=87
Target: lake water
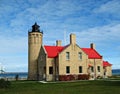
x=13 y=75
x=25 y=74
x=116 y=72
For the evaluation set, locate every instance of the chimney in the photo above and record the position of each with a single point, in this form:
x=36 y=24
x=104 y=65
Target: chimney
x=72 y=39
x=92 y=46
x=58 y=43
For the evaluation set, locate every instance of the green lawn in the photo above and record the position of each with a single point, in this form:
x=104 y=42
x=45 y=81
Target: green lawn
x=80 y=87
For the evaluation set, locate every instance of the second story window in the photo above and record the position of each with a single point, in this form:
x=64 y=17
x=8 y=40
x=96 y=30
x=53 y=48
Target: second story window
x=80 y=55
x=67 y=55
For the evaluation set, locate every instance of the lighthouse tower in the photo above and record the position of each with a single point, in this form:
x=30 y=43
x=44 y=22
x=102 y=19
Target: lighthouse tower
x=34 y=45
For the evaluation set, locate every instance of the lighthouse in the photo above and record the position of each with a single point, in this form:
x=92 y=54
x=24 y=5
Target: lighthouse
x=34 y=45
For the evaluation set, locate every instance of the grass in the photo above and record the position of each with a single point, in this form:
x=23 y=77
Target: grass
x=80 y=87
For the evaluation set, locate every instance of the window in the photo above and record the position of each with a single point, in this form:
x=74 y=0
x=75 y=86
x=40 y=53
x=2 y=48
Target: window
x=92 y=69
x=98 y=68
x=50 y=70
x=67 y=69
x=80 y=55
x=80 y=69
x=67 y=55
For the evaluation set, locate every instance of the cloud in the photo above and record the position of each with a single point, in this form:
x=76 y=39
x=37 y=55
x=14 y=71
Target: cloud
x=105 y=33
x=105 y=37
x=112 y=7
x=98 y=23
x=50 y=11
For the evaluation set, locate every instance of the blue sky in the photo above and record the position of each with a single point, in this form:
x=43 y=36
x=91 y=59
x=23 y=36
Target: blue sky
x=93 y=21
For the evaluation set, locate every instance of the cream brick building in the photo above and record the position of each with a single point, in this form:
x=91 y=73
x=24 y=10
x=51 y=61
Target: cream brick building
x=52 y=62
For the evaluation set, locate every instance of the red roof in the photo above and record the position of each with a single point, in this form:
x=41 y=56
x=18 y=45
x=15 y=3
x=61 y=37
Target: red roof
x=106 y=63
x=92 y=54
x=53 y=51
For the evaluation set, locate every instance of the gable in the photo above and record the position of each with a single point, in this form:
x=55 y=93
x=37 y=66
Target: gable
x=53 y=51
x=92 y=54
x=42 y=52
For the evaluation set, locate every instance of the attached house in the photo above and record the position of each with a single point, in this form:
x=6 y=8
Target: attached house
x=55 y=61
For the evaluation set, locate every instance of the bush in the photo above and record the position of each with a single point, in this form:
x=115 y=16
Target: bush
x=73 y=77
x=66 y=77
x=4 y=84
x=83 y=77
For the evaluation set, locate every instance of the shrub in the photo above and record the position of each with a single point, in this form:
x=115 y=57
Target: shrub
x=4 y=84
x=83 y=77
x=66 y=77
x=73 y=77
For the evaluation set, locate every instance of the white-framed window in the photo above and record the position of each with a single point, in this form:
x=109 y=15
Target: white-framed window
x=80 y=55
x=67 y=55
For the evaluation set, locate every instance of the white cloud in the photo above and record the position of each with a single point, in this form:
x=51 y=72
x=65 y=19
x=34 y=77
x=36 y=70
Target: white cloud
x=101 y=34
x=112 y=6
x=54 y=17
x=106 y=39
x=50 y=11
